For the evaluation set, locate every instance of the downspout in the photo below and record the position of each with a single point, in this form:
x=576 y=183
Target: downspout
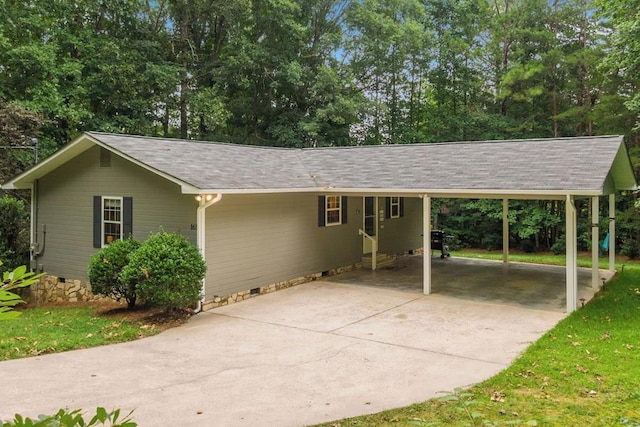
x=33 y=265
x=36 y=249
x=204 y=200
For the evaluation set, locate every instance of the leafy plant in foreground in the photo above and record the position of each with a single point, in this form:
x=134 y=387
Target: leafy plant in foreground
x=105 y=271
x=11 y=280
x=64 y=418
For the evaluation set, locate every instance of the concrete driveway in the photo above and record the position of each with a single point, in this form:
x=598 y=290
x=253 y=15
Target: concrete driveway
x=317 y=352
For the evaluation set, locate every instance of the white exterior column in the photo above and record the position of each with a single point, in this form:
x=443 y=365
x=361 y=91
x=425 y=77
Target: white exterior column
x=426 y=244
x=612 y=232
x=572 y=255
x=204 y=201
x=595 y=241
x=505 y=230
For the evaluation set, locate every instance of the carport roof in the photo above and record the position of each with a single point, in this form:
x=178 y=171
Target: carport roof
x=558 y=166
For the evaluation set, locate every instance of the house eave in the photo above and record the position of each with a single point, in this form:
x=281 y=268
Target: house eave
x=410 y=192
x=75 y=148
x=71 y=150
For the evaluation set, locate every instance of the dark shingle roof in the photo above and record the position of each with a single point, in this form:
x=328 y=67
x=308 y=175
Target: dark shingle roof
x=546 y=164
x=585 y=165
x=214 y=165
x=560 y=164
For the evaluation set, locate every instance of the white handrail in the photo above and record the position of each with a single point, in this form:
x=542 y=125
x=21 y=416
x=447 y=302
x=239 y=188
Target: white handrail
x=374 y=248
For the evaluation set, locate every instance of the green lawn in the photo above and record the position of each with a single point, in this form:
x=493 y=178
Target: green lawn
x=42 y=330
x=585 y=371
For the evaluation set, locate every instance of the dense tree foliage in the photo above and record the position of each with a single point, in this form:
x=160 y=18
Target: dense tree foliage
x=299 y=73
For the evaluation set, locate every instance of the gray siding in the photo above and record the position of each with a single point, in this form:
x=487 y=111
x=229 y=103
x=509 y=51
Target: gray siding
x=65 y=206
x=402 y=234
x=257 y=240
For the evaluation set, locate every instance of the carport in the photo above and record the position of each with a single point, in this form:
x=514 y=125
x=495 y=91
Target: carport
x=564 y=169
x=539 y=287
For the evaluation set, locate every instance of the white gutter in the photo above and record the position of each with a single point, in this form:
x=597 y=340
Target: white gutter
x=205 y=200
x=408 y=192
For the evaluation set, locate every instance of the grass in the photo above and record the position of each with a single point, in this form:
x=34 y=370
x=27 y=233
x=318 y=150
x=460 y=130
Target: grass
x=585 y=371
x=53 y=329
x=535 y=258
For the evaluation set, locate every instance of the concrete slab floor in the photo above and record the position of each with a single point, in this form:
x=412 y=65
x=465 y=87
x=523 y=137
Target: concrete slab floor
x=316 y=352
x=528 y=285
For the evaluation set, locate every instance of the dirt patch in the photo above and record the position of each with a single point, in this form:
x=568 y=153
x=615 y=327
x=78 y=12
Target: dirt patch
x=142 y=315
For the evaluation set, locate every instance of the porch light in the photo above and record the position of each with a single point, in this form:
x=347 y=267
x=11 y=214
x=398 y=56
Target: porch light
x=206 y=197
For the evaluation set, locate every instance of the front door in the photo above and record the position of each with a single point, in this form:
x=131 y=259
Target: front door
x=370 y=224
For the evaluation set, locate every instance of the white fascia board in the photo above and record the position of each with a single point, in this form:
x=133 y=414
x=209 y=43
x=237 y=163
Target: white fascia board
x=386 y=192
x=469 y=193
x=63 y=155
x=622 y=170
x=195 y=190
x=75 y=148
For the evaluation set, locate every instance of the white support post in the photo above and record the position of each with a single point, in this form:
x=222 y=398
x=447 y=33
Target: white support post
x=595 y=241
x=426 y=244
x=505 y=230
x=612 y=232
x=204 y=201
x=571 y=263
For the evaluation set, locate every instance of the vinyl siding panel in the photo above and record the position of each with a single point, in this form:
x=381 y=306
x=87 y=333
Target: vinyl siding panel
x=257 y=240
x=400 y=235
x=65 y=207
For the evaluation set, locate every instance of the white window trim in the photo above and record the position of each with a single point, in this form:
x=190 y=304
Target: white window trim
x=102 y=220
x=395 y=201
x=327 y=210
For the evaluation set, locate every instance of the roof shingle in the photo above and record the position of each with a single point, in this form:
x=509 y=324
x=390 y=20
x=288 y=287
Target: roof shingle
x=560 y=164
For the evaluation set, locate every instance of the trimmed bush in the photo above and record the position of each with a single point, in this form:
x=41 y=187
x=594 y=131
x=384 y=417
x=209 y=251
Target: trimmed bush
x=630 y=249
x=14 y=232
x=169 y=271
x=105 y=271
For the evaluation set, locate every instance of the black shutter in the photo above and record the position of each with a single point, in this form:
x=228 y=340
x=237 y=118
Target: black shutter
x=343 y=201
x=127 y=217
x=321 y=211
x=387 y=207
x=401 y=206
x=97 y=221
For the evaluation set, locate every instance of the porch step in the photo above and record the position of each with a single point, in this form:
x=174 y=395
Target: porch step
x=382 y=260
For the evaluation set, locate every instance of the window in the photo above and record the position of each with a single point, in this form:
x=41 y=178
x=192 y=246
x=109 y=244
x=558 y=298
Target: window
x=332 y=210
x=112 y=219
x=394 y=207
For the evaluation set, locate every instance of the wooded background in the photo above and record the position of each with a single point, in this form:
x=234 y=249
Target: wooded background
x=305 y=73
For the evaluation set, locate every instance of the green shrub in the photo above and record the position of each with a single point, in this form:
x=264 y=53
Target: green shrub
x=169 y=271
x=66 y=418
x=105 y=271
x=630 y=248
x=527 y=246
x=560 y=246
x=14 y=232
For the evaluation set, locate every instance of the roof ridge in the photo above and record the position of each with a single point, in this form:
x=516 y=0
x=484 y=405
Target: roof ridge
x=476 y=142
x=195 y=141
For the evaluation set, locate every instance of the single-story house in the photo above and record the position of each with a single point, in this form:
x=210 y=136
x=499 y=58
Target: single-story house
x=266 y=217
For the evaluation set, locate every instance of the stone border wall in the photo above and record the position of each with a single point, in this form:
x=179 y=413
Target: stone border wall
x=52 y=289
x=219 y=301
